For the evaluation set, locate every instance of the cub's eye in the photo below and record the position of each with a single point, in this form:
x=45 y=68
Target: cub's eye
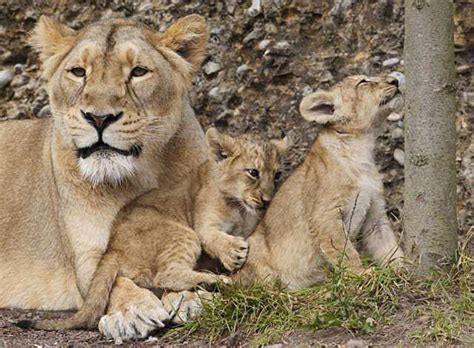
x=139 y=71
x=362 y=82
x=277 y=176
x=78 y=71
x=254 y=173
x=221 y=155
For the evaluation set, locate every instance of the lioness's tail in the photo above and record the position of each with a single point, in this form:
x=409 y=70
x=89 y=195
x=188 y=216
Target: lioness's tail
x=94 y=305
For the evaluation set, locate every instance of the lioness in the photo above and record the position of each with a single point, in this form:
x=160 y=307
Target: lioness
x=335 y=198
x=121 y=125
x=153 y=243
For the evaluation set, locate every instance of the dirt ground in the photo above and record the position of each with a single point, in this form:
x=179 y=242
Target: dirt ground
x=258 y=68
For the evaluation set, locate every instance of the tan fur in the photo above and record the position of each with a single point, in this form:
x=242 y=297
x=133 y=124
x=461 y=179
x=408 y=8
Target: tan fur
x=153 y=242
x=56 y=208
x=333 y=204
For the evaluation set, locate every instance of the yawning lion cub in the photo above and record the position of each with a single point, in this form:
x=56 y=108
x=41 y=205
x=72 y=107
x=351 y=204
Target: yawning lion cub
x=333 y=204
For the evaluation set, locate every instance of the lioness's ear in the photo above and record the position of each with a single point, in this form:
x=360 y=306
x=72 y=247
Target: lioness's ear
x=220 y=145
x=51 y=38
x=188 y=38
x=318 y=106
x=282 y=145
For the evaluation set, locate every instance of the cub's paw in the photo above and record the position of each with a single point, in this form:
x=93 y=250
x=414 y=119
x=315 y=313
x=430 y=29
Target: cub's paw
x=232 y=252
x=137 y=320
x=185 y=305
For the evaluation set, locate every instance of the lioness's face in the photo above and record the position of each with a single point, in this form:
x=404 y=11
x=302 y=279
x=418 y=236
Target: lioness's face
x=357 y=104
x=247 y=170
x=116 y=90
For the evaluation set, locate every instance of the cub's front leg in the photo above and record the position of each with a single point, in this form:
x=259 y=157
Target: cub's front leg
x=335 y=244
x=232 y=251
x=133 y=312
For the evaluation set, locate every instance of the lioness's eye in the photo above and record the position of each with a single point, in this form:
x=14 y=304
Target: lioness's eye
x=139 y=71
x=221 y=155
x=254 y=173
x=277 y=176
x=362 y=82
x=78 y=71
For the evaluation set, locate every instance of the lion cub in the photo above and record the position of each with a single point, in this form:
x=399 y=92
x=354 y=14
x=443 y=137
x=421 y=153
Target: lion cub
x=156 y=240
x=333 y=204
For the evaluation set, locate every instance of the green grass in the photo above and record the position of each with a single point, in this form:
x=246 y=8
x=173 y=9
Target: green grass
x=361 y=303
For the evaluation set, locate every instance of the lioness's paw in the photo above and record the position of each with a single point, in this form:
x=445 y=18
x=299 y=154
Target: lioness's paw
x=137 y=321
x=185 y=305
x=232 y=252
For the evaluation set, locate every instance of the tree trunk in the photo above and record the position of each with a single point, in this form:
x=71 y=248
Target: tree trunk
x=430 y=138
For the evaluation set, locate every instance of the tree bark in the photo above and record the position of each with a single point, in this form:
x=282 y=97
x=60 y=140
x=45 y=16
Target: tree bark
x=430 y=221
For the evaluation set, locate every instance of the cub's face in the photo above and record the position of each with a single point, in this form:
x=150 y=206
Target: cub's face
x=355 y=105
x=116 y=89
x=247 y=170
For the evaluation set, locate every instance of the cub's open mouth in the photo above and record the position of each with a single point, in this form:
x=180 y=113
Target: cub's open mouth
x=85 y=152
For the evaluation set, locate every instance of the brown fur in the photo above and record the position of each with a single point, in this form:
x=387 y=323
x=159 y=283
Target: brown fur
x=335 y=198
x=57 y=208
x=152 y=241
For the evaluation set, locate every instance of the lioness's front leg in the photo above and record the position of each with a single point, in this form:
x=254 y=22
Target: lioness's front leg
x=133 y=312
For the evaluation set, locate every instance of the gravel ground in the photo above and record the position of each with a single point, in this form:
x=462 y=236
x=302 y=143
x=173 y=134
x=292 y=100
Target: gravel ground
x=260 y=64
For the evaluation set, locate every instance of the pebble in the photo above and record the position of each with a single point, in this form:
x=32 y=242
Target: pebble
x=355 y=343
x=282 y=45
x=390 y=62
x=263 y=45
x=397 y=133
x=6 y=76
x=45 y=111
x=399 y=156
x=211 y=68
x=242 y=70
x=19 y=68
x=462 y=69
x=255 y=8
x=401 y=79
x=307 y=90
x=394 y=117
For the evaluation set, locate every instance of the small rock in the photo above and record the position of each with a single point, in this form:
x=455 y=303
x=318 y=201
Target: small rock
x=397 y=133
x=253 y=35
x=394 y=117
x=390 y=62
x=399 y=156
x=242 y=70
x=262 y=45
x=211 y=68
x=271 y=28
x=341 y=6
x=45 y=111
x=255 y=8
x=307 y=90
x=463 y=69
x=468 y=97
x=19 y=68
x=6 y=76
x=355 y=343
x=282 y=45
x=215 y=94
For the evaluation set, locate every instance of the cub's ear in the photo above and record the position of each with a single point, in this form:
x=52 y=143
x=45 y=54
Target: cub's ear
x=51 y=38
x=188 y=38
x=283 y=145
x=220 y=145
x=318 y=107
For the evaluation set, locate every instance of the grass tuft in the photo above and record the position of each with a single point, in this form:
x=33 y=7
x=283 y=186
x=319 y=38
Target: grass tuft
x=264 y=313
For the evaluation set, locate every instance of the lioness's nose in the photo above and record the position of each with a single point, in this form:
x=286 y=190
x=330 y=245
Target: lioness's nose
x=100 y=122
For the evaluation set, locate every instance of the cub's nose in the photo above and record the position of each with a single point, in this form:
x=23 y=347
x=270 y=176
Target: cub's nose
x=264 y=203
x=100 y=122
x=392 y=81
